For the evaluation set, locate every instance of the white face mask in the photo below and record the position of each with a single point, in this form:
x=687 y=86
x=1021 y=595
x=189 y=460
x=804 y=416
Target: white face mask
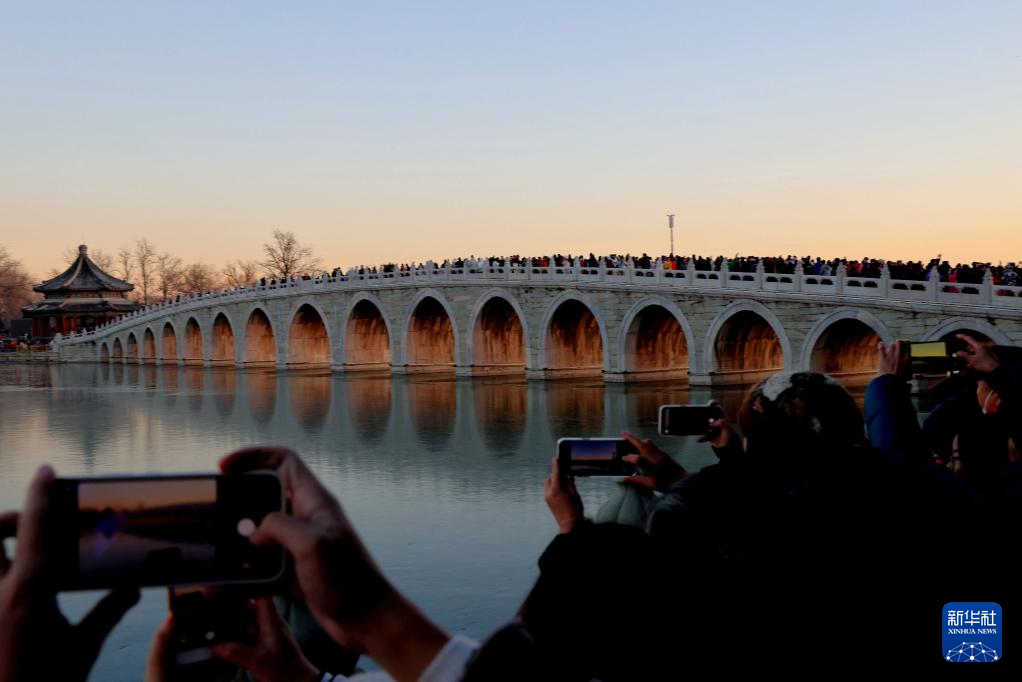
x=986 y=402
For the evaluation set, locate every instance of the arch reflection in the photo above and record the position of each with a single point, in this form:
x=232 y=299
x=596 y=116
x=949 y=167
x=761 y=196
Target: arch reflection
x=575 y=408
x=169 y=380
x=149 y=376
x=262 y=395
x=434 y=409
x=642 y=403
x=501 y=409
x=225 y=386
x=310 y=399
x=369 y=403
x=194 y=383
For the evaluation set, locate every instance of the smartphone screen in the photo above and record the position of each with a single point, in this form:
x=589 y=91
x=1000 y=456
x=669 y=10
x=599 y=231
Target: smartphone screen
x=167 y=530
x=595 y=456
x=930 y=357
x=687 y=420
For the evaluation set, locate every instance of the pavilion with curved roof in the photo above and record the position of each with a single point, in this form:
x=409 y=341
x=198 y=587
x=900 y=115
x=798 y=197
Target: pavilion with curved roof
x=81 y=298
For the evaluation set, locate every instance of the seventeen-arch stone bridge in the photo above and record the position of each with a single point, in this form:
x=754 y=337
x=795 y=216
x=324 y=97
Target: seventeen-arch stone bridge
x=550 y=322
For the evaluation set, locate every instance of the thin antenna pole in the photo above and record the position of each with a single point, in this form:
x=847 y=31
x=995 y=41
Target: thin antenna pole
x=670 y=226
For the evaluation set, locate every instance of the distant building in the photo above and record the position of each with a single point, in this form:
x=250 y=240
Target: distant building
x=82 y=297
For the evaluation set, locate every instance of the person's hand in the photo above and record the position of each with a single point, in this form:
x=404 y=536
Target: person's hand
x=562 y=498
x=334 y=574
x=36 y=640
x=895 y=359
x=977 y=356
x=721 y=433
x=160 y=666
x=661 y=471
x=277 y=655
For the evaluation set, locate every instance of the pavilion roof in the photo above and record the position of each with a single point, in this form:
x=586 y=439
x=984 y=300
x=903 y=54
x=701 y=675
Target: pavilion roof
x=83 y=275
x=81 y=306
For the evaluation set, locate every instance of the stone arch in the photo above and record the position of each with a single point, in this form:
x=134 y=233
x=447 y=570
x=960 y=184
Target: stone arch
x=308 y=338
x=498 y=334
x=192 y=352
x=746 y=341
x=168 y=343
x=148 y=345
x=260 y=340
x=132 y=348
x=844 y=342
x=222 y=343
x=117 y=353
x=573 y=338
x=431 y=336
x=104 y=352
x=957 y=325
x=655 y=341
x=366 y=337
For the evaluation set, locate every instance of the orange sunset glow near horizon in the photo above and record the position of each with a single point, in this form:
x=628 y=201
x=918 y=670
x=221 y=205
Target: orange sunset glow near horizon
x=406 y=133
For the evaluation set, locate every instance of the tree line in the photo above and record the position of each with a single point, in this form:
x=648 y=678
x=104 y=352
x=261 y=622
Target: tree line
x=160 y=275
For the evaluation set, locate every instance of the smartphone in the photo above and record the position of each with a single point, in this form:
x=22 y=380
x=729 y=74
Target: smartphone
x=931 y=357
x=165 y=530
x=688 y=420
x=595 y=456
x=204 y=616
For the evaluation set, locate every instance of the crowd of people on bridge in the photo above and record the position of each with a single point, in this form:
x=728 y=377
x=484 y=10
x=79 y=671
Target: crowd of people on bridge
x=870 y=268
x=969 y=275
x=964 y=273
x=817 y=520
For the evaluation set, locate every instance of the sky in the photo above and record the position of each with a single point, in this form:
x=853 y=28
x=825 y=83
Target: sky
x=396 y=131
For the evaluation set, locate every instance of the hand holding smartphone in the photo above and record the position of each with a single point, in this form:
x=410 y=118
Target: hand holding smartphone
x=931 y=357
x=595 y=456
x=207 y=616
x=165 y=530
x=688 y=420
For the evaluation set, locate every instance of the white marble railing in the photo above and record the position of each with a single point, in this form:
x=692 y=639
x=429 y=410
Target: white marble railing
x=825 y=286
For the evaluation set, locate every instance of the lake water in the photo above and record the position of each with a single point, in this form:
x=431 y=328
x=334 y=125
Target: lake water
x=442 y=477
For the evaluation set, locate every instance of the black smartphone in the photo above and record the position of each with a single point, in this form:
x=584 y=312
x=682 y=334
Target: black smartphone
x=932 y=357
x=165 y=530
x=688 y=420
x=204 y=616
x=595 y=456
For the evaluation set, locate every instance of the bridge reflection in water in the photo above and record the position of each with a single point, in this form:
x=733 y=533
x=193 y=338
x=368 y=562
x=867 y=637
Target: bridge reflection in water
x=442 y=475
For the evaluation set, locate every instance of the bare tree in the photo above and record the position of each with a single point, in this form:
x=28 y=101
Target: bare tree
x=145 y=260
x=286 y=257
x=15 y=287
x=99 y=257
x=198 y=278
x=169 y=273
x=125 y=264
x=102 y=259
x=240 y=273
